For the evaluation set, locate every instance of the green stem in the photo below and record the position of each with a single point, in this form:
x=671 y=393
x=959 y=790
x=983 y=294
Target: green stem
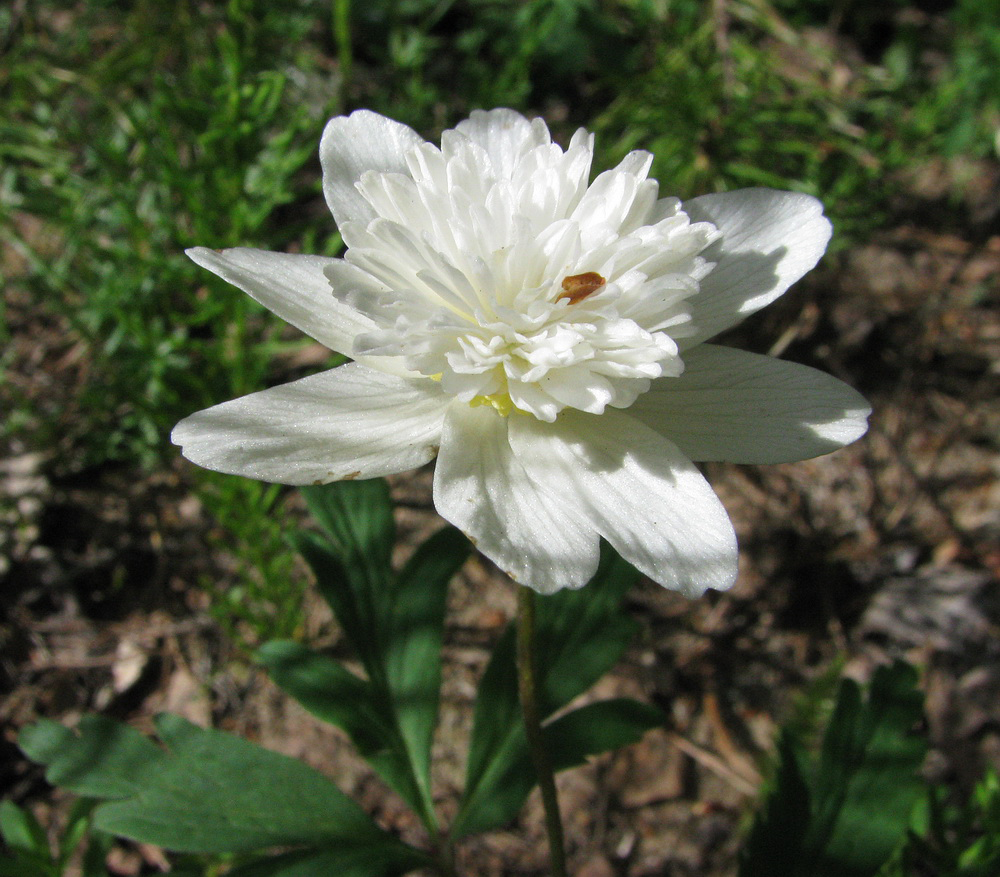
x=527 y=684
x=445 y=854
x=342 y=37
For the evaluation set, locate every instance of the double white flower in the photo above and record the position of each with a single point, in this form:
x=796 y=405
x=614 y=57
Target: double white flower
x=543 y=338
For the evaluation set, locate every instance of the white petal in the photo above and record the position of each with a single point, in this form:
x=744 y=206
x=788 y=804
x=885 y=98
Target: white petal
x=611 y=200
x=492 y=496
x=351 y=145
x=294 y=287
x=739 y=407
x=505 y=135
x=349 y=422
x=769 y=240
x=637 y=490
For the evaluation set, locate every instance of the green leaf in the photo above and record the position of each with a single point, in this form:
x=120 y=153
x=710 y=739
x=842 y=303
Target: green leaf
x=580 y=635
x=867 y=781
x=353 y=565
x=207 y=791
x=21 y=831
x=570 y=740
x=413 y=653
x=101 y=759
x=498 y=742
x=78 y=828
x=96 y=855
x=27 y=866
x=775 y=843
x=848 y=815
x=343 y=586
x=355 y=514
x=329 y=691
x=598 y=727
x=343 y=863
x=393 y=621
x=357 y=517
x=334 y=694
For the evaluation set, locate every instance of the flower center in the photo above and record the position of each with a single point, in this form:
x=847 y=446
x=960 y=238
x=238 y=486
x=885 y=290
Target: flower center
x=577 y=351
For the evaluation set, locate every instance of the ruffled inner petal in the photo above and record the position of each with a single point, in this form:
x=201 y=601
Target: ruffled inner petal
x=477 y=240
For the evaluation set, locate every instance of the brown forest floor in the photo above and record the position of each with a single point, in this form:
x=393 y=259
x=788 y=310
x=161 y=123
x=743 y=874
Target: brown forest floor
x=887 y=548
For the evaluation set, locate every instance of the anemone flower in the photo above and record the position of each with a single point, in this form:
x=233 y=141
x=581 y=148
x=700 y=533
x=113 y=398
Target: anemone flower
x=544 y=337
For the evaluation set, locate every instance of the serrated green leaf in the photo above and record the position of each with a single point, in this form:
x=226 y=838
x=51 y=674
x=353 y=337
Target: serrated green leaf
x=332 y=693
x=580 y=635
x=206 y=792
x=101 y=759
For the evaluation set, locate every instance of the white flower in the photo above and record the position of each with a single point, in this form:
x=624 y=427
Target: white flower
x=542 y=336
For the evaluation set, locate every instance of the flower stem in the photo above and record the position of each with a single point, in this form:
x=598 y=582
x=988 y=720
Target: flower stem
x=342 y=36
x=527 y=679
x=445 y=854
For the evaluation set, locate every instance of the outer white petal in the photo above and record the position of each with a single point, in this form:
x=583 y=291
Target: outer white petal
x=637 y=490
x=351 y=145
x=295 y=288
x=349 y=422
x=493 y=497
x=769 y=240
x=739 y=407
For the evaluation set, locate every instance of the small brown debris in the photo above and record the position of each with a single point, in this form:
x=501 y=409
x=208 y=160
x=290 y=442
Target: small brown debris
x=577 y=287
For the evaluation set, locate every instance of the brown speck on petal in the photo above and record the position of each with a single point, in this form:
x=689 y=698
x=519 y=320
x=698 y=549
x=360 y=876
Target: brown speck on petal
x=578 y=286
x=351 y=476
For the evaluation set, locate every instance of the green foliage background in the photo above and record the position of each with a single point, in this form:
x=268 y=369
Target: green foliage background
x=133 y=130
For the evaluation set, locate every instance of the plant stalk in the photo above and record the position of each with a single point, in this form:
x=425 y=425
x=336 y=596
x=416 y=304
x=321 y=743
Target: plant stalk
x=342 y=37
x=527 y=677
x=445 y=854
